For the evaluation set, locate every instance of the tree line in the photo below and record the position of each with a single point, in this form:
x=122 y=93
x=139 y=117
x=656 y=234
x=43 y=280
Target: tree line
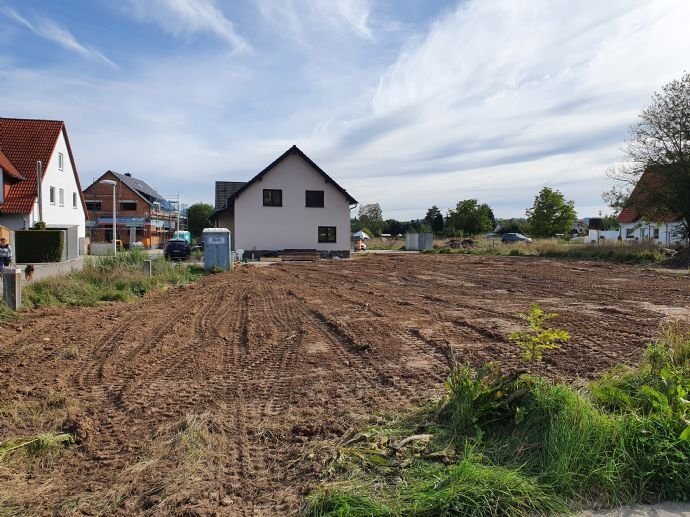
x=550 y=214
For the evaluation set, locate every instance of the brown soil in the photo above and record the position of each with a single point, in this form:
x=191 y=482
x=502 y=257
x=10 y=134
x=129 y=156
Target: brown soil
x=221 y=397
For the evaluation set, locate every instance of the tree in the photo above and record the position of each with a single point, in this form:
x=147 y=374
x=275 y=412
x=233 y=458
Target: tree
x=197 y=218
x=514 y=225
x=371 y=216
x=471 y=218
x=610 y=222
x=551 y=214
x=434 y=218
x=658 y=143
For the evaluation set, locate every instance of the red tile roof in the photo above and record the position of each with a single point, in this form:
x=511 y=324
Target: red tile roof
x=25 y=141
x=8 y=168
x=647 y=181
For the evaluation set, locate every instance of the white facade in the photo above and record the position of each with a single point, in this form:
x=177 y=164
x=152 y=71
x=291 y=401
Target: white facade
x=292 y=225
x=665 y=234
x=66 y=210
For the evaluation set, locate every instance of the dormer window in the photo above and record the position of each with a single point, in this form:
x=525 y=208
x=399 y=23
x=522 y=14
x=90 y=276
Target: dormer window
x=61 y=161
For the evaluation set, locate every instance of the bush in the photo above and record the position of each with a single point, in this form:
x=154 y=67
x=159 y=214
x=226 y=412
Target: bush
x=39 y=246
x=521 y=445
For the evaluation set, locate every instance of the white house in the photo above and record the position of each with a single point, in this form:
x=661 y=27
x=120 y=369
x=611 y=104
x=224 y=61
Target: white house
x=633 y=226
x=290 y=205
x=24 y=142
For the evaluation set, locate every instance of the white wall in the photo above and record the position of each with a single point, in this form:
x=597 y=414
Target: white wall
x=293 y=225
x=54 y=214
x=642 y=231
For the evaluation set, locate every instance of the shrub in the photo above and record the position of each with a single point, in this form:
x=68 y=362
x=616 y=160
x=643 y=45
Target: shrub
x=537 y=339
x=39 y=246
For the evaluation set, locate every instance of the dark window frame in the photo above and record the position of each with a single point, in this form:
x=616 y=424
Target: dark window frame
x=310 y=202
x=125 y=202
x=273 y=197
x=326 y=232
x=90 y=207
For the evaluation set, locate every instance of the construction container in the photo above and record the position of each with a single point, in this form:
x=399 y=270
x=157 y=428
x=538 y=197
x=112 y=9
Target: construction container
x=217 y=249
x=419 y=241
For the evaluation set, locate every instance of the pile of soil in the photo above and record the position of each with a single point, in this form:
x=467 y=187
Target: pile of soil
x=680 y=260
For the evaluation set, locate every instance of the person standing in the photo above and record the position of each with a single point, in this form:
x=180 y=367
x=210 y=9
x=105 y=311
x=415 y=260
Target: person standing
x=5 y=253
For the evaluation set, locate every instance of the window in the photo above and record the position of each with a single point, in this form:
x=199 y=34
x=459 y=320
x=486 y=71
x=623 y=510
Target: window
x=326 y=233
x=629 y=233
x=62 y=197
x=128 y=205
x=93 y=206
x=52 y=195
x=61 y=161
x=315 y=198
x=656 y=233
x=273 y=197
x=74 y=200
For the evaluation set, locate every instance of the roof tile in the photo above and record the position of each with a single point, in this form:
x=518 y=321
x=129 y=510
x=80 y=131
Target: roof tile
x=24 y=142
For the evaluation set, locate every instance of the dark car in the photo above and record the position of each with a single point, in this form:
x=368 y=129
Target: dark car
x=514 y=237
x=178 y=249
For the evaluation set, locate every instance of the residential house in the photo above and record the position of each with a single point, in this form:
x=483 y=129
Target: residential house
x=23 y=144
x=141 y=213
x=290 y=205
x=666 y=230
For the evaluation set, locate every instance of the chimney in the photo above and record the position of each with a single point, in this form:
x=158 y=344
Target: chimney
x=128 y=174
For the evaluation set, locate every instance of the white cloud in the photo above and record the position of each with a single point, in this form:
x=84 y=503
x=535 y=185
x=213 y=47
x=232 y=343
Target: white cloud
x=537 y=88
x=184 y=18
x=300 y=17
x=51 y=31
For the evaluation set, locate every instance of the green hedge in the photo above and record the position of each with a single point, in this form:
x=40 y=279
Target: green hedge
x=39 y=246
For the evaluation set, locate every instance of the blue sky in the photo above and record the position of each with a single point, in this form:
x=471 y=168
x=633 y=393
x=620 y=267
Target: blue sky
x=407 y=103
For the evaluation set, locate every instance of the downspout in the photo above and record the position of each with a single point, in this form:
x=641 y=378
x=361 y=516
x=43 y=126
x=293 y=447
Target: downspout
x=39 y=180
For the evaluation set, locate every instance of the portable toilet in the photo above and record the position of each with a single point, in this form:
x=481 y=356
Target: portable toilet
x=217 y=249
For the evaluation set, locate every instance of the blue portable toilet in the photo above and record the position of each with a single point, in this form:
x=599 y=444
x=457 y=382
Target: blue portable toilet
x=217 y=249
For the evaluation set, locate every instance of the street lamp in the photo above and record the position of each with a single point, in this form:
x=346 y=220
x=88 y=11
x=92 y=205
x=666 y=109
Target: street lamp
x=113 y=183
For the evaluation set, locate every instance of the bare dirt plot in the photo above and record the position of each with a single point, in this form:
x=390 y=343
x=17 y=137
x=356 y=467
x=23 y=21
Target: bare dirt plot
x=215 y=398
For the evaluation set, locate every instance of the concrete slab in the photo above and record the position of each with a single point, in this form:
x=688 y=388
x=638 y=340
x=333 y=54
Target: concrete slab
x=656 y=510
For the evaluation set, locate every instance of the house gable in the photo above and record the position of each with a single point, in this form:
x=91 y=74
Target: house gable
x=293 y=151
x=286 y=221
x=24 y=142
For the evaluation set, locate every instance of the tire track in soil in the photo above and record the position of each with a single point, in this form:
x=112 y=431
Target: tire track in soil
x=268 y=349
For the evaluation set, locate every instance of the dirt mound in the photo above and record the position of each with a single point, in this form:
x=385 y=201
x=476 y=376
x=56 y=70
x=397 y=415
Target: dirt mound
x=680 y=260
x=226 y=397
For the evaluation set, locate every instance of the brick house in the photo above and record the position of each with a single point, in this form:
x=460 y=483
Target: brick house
x=143 y=215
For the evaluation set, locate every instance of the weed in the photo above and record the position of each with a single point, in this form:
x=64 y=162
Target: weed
x=108 y=279
x=36 y=445
x=520 y=445
x=538 y=339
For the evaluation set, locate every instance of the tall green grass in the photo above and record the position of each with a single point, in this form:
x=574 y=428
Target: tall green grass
x=624 y=252
x=109 y=278
x=521 y=445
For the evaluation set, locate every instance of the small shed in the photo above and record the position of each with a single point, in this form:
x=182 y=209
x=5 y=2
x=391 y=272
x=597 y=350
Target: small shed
x=419 y=241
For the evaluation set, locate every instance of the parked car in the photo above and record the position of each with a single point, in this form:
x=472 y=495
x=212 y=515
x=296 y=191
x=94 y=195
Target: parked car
x=514 y=237
x=177 y=249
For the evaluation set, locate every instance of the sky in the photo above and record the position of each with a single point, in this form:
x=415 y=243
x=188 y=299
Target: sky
x=405 y=103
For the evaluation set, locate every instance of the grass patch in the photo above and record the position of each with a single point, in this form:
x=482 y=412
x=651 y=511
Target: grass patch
x=35 y=445
x=108 y=279
x=6 y=314
x=623 y=252
x=500 y=444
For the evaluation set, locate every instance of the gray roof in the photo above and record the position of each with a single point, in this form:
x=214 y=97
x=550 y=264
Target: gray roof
x=225 y=189
x=144 y=189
